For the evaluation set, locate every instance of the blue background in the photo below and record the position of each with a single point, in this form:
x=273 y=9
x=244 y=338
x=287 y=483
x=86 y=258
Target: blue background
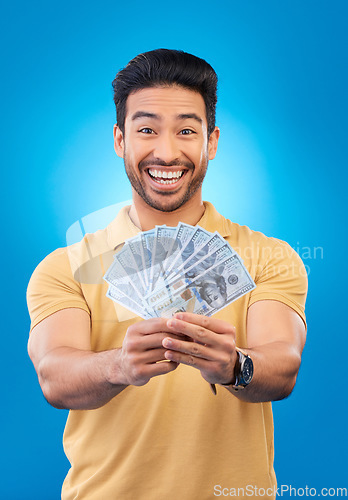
x=281 y=169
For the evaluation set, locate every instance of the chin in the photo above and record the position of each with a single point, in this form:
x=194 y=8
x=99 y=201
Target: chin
x=165 y=206
x=163 y=202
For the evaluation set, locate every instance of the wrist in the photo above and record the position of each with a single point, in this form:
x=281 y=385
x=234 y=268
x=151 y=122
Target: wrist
x=242 y=373
x=112 y=365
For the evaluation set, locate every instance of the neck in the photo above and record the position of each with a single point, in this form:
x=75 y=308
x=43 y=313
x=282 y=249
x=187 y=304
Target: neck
x=145 y=217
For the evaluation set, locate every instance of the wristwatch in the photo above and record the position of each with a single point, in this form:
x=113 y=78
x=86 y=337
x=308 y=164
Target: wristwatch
x=243 y=371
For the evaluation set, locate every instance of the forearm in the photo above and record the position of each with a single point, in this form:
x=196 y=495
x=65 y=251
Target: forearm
x=76 y=379
x=275 y=370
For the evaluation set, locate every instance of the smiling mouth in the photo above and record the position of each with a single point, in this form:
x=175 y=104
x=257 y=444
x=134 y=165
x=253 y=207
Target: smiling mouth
x=164 y=176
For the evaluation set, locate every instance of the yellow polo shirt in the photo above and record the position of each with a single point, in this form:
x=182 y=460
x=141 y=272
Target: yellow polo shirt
x=172 y=438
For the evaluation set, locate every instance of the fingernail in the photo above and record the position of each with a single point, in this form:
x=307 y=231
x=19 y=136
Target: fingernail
x=167 y=342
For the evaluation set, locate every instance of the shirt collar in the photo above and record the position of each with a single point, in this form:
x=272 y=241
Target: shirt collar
x=213 y=221
x=122 y=228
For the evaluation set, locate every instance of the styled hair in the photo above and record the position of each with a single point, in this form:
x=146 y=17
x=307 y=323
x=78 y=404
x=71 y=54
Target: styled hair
x=165 y=67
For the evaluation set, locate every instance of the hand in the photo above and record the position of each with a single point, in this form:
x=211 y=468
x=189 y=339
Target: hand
x=212 y=348
x=141 y=356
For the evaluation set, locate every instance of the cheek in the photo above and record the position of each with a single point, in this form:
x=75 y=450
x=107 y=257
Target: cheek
x=197 y=152
x=138 y=151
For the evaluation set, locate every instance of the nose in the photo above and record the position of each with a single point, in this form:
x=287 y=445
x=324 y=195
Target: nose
x=166 y=148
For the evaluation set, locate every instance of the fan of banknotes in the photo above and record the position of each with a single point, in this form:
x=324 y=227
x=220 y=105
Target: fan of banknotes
x=166 y=270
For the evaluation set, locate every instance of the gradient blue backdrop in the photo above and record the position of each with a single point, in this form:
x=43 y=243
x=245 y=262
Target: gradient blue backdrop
x=281 y=169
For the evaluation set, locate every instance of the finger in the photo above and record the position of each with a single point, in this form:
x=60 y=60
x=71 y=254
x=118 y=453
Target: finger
x=213 y=324
x=151 y=356
x=142 y=374
x=187 y=359
x=201 y=335
x=150 y=326
x=202 y=329
x=162 y=368
x=146 y=342
x=196 y=333
x=192 y=348
x=212 y=371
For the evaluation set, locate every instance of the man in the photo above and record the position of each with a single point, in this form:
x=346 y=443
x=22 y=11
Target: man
x=144 y=423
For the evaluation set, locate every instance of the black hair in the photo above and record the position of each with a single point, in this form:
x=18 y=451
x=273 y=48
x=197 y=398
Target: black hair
x=163 y=67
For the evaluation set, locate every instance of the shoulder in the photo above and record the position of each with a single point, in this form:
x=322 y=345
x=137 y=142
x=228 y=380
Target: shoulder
x=59 y=279
x=276 y=268
x=53 y=262
x=73 y=256
x=255 y=245
x=67 y=258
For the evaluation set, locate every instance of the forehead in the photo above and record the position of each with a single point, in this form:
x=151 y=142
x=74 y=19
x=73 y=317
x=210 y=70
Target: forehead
x=166 y=102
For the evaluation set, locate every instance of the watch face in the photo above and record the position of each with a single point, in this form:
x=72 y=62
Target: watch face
x=248 y=370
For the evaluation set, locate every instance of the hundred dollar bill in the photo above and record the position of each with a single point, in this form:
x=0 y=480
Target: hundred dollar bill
x=147 y=242
x=163 y=247
x=208 y=261
x=183 y=233
x=136 y=248
x=117 y=296
x=212 y=245
x=205 y=293
x=197 y=239
x=123 y=270
x=127 y=289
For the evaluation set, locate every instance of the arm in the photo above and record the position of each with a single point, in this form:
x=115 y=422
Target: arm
x=276 y=336
x=72 y=376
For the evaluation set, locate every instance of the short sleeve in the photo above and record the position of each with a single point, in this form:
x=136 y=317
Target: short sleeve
x=52 y=287
x=282 y=277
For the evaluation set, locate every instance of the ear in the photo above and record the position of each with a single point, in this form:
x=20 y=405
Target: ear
x=213 y=143
x=118 y=141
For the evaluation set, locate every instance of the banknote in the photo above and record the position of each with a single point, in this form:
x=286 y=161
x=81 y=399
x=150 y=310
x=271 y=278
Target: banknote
x=205 y=293
x=182 y=235
x=136 y=247
x=147 y=239
x=210 y=247
x=164 y=247
x=187 y=268
x=117 y=296
x=124 y=270
x=194 y=241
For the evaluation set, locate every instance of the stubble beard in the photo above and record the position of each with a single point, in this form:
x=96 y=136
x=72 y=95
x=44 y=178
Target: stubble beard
x=166 y=201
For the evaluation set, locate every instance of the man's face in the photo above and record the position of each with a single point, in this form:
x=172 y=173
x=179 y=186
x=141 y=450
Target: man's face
x=165 y=145
x=214 y=296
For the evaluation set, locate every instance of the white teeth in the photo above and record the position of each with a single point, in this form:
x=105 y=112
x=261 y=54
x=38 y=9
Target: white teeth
x=161 y=181
x=163 y=174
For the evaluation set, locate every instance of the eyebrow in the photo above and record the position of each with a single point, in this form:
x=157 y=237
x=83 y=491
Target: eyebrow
x=182 y=116
x=144 y=114
x=193 y=116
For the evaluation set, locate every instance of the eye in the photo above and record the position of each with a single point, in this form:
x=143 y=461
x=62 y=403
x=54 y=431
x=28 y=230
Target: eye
x=146 y=130
x=187 y=131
